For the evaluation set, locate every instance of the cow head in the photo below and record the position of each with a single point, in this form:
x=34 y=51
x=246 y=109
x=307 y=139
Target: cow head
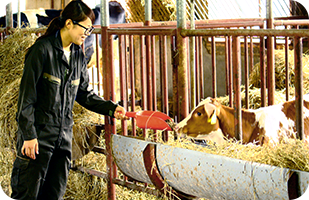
x=202 y=123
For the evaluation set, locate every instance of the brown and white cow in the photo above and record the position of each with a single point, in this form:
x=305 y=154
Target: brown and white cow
x=212 y=121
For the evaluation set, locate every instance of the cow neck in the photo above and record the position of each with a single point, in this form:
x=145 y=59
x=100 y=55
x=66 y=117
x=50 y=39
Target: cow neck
x=226 y=121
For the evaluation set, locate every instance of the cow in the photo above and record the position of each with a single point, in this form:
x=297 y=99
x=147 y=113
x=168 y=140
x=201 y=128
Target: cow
x=213 y=121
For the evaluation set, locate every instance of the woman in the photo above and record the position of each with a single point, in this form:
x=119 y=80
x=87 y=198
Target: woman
x=55 y=75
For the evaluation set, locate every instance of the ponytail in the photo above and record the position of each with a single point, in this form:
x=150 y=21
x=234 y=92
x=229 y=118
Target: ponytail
x=75 y=10
x=55 y=24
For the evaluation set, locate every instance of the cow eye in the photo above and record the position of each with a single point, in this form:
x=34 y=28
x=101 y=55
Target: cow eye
x=199 y=114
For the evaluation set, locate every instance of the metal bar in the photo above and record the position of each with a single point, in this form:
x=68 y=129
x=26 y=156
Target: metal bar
x=287 y=77
x=246 y=62
x=153 y=73
x=251 y=54
x=143 y=73
x=270 y=55
x=182 y=67
x=262 y=72
x=236 y=85
x=98 y=62
x=192 y=58
x=9 y=16
x=131 y=68
x=148 y=73
x=133 y=186
x=230 y=72
x=245 y=32
x=298 y=52
x=123 y=79
x=213 y=64
x=201 y=68
x=227 y=71
x=197 y=70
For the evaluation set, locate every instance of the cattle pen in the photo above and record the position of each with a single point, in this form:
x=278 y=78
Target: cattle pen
x=156 y=69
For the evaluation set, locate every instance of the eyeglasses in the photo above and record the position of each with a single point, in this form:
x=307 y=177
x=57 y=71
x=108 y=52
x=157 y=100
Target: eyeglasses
x=88 y=31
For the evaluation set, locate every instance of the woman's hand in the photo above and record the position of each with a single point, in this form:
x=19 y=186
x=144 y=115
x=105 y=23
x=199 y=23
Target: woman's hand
x=30 y=148
x=120 y=113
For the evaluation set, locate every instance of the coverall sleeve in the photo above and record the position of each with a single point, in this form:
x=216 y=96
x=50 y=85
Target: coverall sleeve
x=88 y=99
x=27 y=98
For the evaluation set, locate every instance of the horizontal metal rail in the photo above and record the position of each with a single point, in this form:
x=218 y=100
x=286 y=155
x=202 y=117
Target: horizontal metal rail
x=246 y=32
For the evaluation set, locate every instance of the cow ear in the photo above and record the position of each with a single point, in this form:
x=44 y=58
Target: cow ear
x=213 y=118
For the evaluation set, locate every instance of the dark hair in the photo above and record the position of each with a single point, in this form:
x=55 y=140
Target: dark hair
x=75 y=10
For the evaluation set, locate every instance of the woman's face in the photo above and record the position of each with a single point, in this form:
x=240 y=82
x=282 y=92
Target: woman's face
x=77 y=33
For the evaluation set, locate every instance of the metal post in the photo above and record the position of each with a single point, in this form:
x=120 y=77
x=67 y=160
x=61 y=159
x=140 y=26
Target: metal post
x=299 y=87
x=148 y=9
x=192 y=58
x=9 y=16
x=18 y=14
x=236 y=84
x=182 y=67
x=110 y=165
x=270 y=56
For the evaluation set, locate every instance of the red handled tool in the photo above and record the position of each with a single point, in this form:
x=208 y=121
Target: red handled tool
x=152 y=120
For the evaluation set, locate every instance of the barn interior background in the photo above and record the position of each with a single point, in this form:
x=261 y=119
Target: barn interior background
x=156 y=87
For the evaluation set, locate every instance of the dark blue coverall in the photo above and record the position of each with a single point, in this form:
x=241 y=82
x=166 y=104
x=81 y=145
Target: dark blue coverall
x=49 y=87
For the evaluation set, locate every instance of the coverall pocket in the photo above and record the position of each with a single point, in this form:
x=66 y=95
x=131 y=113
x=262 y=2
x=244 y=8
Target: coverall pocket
x=20 y=165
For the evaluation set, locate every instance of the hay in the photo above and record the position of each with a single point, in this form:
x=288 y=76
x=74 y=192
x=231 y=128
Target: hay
x=280 y=71
x=254 y=98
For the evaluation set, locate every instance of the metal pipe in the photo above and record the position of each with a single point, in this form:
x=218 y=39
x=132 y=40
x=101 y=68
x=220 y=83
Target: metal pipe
x=192 y=58
x=245 y=32
x=270 y=56
x=236 y=86
x=182 y=67
x=132 y=81
x=148 y=11
x=9 y=16
x=123 y=79
x=246 y=66
x=298 y=52
x=287 y=69
x=213 y=67
x=18 y=14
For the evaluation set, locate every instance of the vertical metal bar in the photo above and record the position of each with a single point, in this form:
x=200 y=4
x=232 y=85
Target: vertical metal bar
x=287 y=70
x=197 y=71
x=192 y=59
x=153 y=73
x=131 y=63
x=227 y=71
x=246 y=60
x=213 y=64
x=201 y=68
x=98 y=62
x=270 y=56
x=123 y=80
x=175 y=57
x=236 y=83
x=9 y=16
x=251 y=54
x=110 y=165
x=182 y=67
x=19 y=15
x=164 y=80
x=298 y=51
x=148 y=72
x=148 y=11
x=143 y=73
x=262 y=71
x=230 y=72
